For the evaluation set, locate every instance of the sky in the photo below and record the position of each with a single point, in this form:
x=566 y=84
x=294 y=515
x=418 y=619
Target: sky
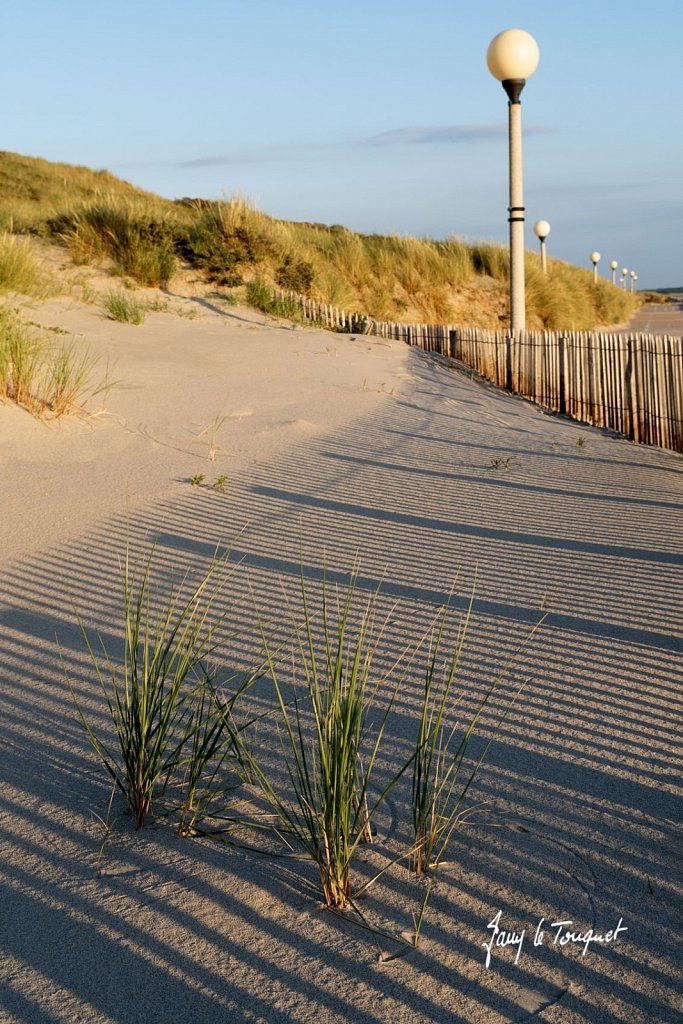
x=379 y=116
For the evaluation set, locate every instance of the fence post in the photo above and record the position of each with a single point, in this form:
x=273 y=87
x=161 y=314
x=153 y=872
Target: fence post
x=508 y=362
x=631 y=395
x=562 y=383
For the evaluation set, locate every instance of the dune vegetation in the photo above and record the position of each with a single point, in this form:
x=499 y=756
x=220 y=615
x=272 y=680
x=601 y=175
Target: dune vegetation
x=102 y=219
x=20 y=270
x=45 y=378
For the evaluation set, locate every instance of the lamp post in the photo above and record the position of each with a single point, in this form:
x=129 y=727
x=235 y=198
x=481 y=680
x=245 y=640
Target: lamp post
x=542 y=230
x=624 y=275
x=512 y=57
x=634 y=278
x=595 y=259
x=613 y=266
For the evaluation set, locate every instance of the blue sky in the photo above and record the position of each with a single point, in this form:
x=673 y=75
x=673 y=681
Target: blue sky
x=379 y=116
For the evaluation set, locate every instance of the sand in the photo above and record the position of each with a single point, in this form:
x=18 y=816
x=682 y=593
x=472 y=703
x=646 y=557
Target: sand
x=337 y=448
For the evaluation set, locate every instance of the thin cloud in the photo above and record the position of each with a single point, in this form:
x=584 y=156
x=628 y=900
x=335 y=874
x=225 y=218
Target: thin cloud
x=262 y=156
x=413 y=135
x=450 y=134
x=420 y=135
x=605 y=188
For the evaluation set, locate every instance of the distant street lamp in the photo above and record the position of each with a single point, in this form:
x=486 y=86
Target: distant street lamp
x=634 y=278
x=595 y=259
x=542 y=230
x=512 y=57
x=624 y=275
x=614 y=264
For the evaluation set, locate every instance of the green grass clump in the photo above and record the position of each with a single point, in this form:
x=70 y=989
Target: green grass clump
x=140 y=243
x=68 y=376
x=440 y=750
x=169 y=721
x=21 y=361
x=325 y=807
x=124 y=308
x=261 y=296
x=295 y=275
x=441 y=778
x=46 y=380
x=20 y=271
x=224 y=239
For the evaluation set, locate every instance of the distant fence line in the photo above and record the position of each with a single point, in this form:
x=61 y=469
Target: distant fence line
x=630 y=382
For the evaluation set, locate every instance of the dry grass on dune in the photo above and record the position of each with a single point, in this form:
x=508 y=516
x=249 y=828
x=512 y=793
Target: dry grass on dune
x=21 y=271
x=46 y=378
x=31 y=189
x=404 y=279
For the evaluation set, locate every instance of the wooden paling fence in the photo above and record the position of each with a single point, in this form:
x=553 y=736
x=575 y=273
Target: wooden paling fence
x=631 y=383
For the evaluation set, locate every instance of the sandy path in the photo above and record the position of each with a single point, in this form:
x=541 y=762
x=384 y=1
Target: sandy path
x=386 y=453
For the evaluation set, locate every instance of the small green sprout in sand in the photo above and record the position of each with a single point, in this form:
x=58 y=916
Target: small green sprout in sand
x=212 y=433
